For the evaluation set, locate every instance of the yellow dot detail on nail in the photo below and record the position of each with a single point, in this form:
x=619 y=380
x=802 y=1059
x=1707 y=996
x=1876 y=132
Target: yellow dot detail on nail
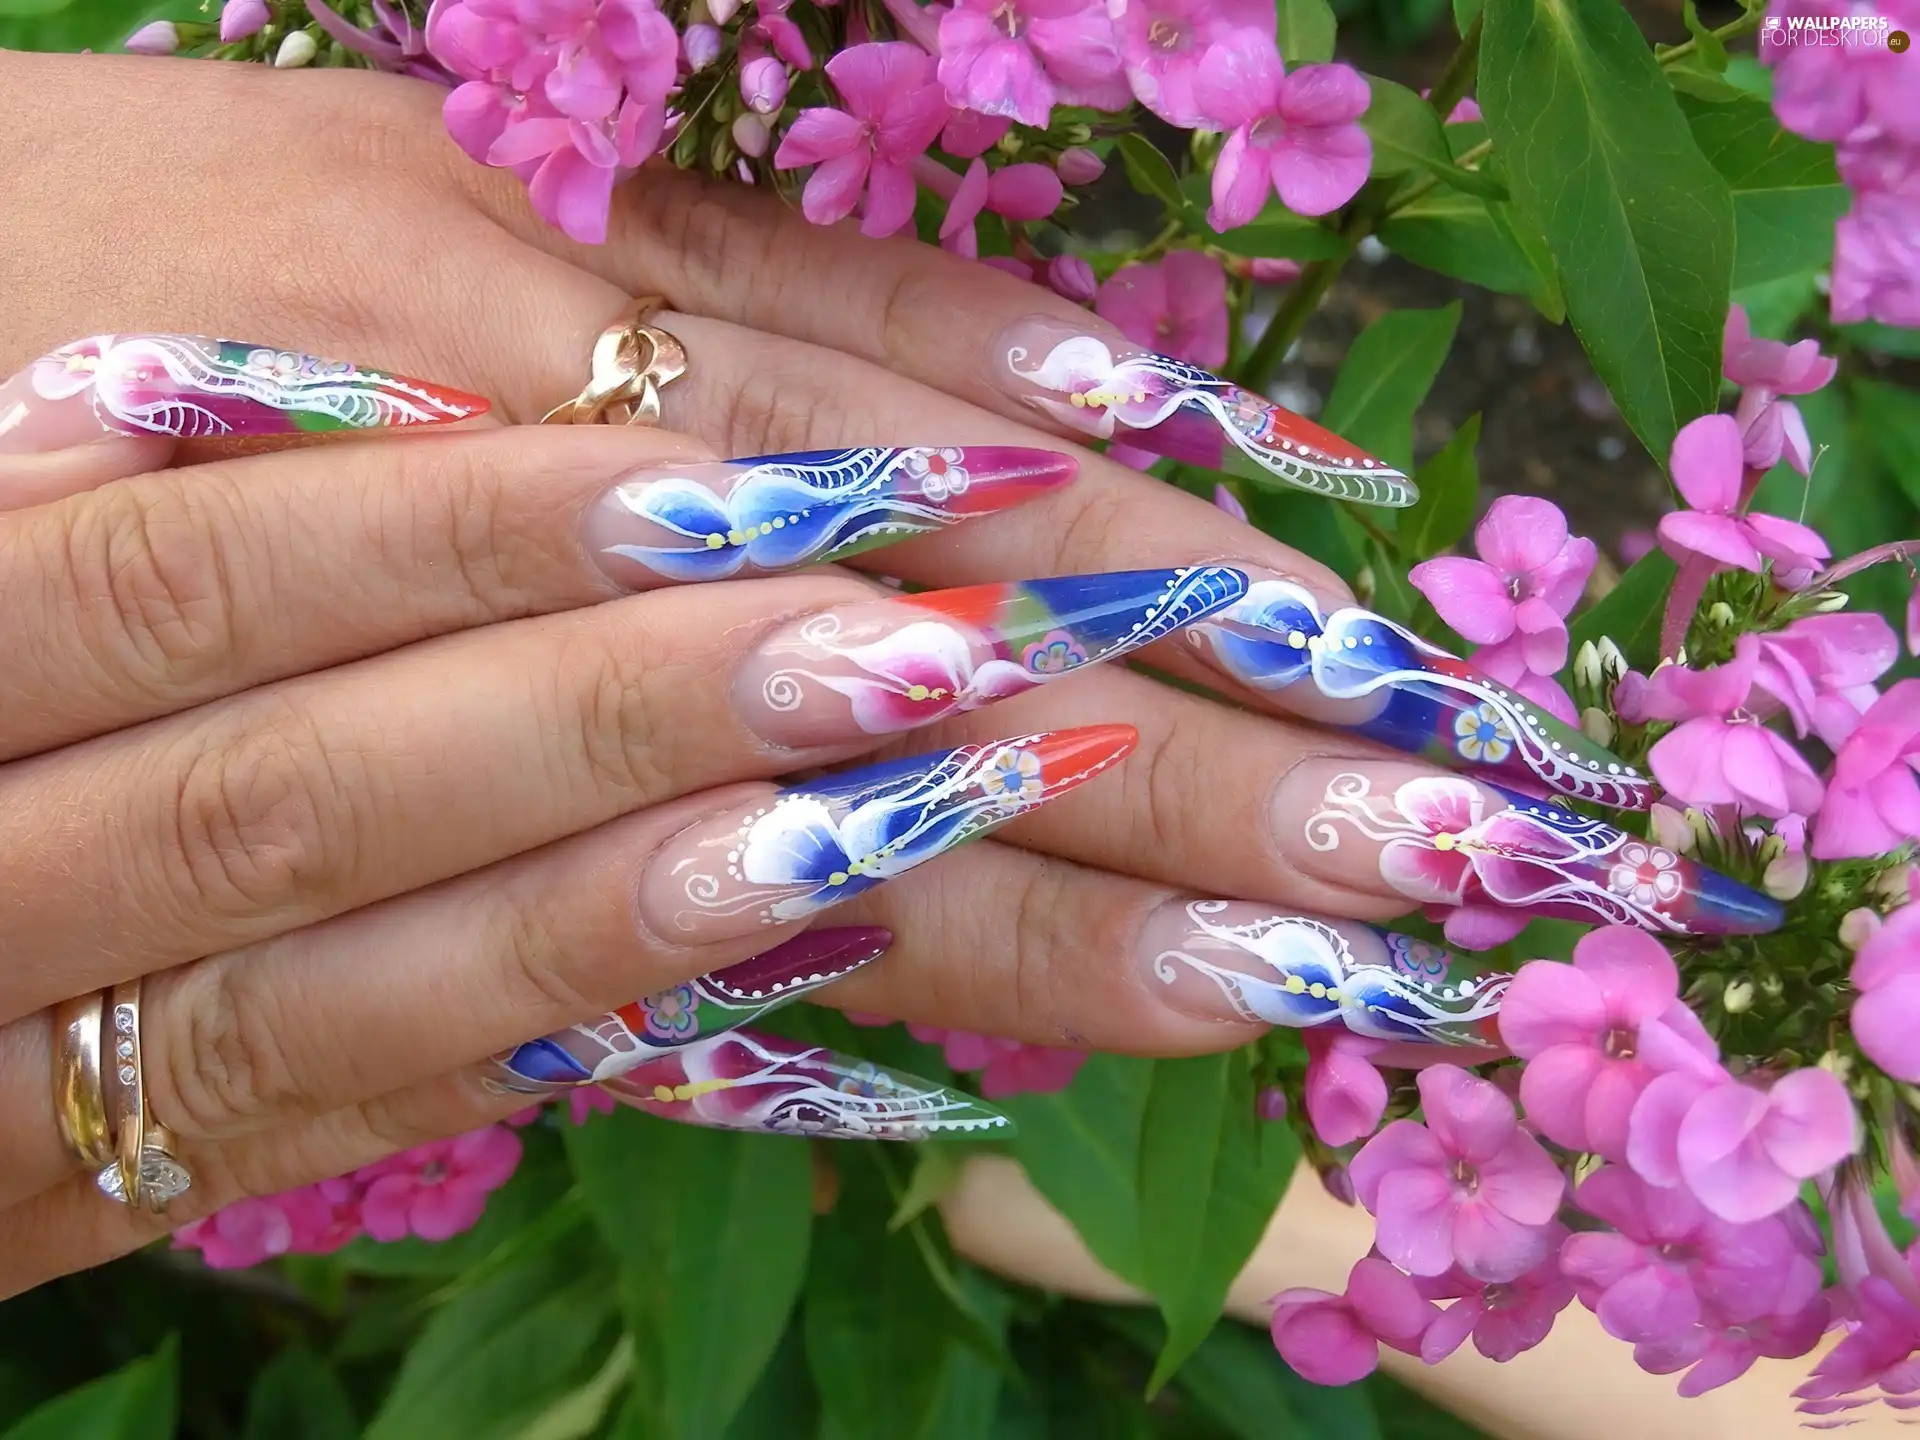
x=715 y=541
x=1295 y=985
x=1445 y=841
x=838 y=877
x=1317 y=990
x=734 y=537
x=917 y=692
x=663 y=1093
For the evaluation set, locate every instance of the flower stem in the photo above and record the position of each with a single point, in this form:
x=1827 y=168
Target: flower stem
x=1732 y=30
x=1904 y=551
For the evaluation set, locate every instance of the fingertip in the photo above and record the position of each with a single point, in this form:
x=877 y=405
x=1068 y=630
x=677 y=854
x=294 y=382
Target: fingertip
x=29 y=480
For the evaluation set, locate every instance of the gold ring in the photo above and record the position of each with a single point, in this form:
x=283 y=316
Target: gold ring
x=79 y=1102
x=632 y=360
x=146 y=1174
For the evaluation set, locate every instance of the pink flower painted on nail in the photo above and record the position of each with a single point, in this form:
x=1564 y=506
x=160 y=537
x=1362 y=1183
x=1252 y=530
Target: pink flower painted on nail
x=1873 y=799
x=1771 y=427
x=1468 y=1188
x=1708 y=464
x=1176 y=306
x=1296 y=134
x=1162 y=43
x=1528 y=578
x=894 y=109
x=437 y=1190
x=1504 y=1319
x=1020 y=58
x=1336 y=1339
x=1596 y=1032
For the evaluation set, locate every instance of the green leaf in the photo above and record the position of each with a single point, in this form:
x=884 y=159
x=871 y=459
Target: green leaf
x=783 y=1403
x=1775 y=306
x=1890 y=415
x=712 y=1230
x=581 y=1412
x=1465 y=12
x=1150 y=172
x=1595 y=150
x=499 y=1353
x=135 y=1402
x=1275 y=234
x=1630 y=613
x=1081 y=1149
x=1407 y=135
x=73 y=25
x=1457 y=235
x=936 y=1170
x=1449 y=492
x=1305 y=31
x=1786 y=193
x=1210 y=1177
x=1388 y=370
x=1887 y=339
x=1406 y=1414
x=1543 y=288
x=298 y=1397
x=1709 y=47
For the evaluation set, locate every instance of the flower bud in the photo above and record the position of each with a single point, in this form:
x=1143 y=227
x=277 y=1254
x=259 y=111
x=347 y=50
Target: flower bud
x=242 y=18
x=720 y=154
x=1772 y=986
x=1080 y=166
x=1829 y=601
x=751 y=135
x=1271 y=1103
x=1769 y=846
x=701 y=45
x=1701 y=824
x=1596 y=725
x=1738 y=997
x=296 y=50
x=763 y=85
x=1858 y=926
x=162 y=37
x=1263 y=270
x=722 y=11
x=1072 y=277
x=1586 y=667
x=1339 y=1184
x=1720 y=615
x=1612 y=661
x=1896 y=884
x=1837 y=1065
x=1670 y=828
x=1786 y=875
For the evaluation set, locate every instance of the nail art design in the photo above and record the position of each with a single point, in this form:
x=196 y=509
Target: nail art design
x=750 y=1081
x=683 y=1015
x=827 y=840
x=709 y=521
x=1119 y=391
x=1456 y=842
x=1412 y=695
x=1235 y=959
x=897 y=664
x=192 y=386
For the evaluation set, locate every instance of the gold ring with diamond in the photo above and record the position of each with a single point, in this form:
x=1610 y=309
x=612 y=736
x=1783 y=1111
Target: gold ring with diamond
x=632 y=360
x=146 y=1173
x=79 y=1098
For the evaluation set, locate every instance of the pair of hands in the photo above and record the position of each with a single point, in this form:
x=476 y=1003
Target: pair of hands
x=357 y=754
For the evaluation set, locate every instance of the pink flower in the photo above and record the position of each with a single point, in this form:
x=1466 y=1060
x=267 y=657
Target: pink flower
x=1019 y=192
x=1292 y=133
x=1767 y=369
x=1177 y=306
x=1824 y=91
x=1741 y=1151
x=1873 y=800
x=1720 y=1351
x=1071 y=277
x=1708 y=460
x=1162 y=42
x=1876 y=261
x=1507 y=664
x=1595 y=1033
x=1821 y=668
x=1469 y=1187
x=1528 y=578
x=772 y=27
x=969 y=134
x=1667 y=1264
x=1505 y=1319
x=1345 y=1095
x=159 y=38
x=894 y=109
x=1886 y=1011
x=1007 y=1067
x=1225 y=499
x=1020 y=58
x=1878 y=1352
x=763 y=85
x=587 y=1101
x=310 y=1220
x=242 y=18
x=437 y=1190
x=1079 y=166
x=1719 y=753
x=1872 y=159
x=1336 y=1339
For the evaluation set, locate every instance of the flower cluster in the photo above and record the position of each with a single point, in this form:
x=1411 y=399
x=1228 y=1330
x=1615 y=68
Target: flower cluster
x=1861 y=96
x=433 y=1191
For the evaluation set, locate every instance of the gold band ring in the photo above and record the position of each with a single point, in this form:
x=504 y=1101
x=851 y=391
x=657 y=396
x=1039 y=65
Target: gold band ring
x=79 y=1099
x=632 y=360
x=146 y=1174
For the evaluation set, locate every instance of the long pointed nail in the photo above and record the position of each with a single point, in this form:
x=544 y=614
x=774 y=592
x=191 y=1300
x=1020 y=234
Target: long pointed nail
x=824 y=841
x=1236 y=960
x=750 y=1081
x=1380 y=680
x=1445 y=840
x=194 y=387
x=889 y=665
x=1113 y=389
x=683 y=1015
x=720 y=518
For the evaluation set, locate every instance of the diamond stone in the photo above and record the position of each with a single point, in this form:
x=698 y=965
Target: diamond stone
x=127 y=1074
x=125 y=1049
x=123 y=1021
x=162 y=1177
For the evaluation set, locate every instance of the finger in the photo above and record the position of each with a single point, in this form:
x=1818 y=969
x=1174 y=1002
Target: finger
x=41 y=479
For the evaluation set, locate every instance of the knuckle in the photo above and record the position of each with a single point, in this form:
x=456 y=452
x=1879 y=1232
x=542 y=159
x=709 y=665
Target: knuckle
x=696 y=222
x=154 y=579
x=619 y=710
x=776 y=408
x=451 y=502
x=912 y=295
x=1094 y=524
x=1161 y=772
x=1039 y=933
x=222 y=1064
x=533 y=968
x=257 y=824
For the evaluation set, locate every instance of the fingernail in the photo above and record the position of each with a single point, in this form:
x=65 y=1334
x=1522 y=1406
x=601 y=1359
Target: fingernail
x=1106 y=386
x=750 y=1081
x=1361 y=672
x=683 y=1015
x=1445 y=840
x=715 y=519
x=197 y=388
x=882 y=666
x=818 y=843
x=1237 y=960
